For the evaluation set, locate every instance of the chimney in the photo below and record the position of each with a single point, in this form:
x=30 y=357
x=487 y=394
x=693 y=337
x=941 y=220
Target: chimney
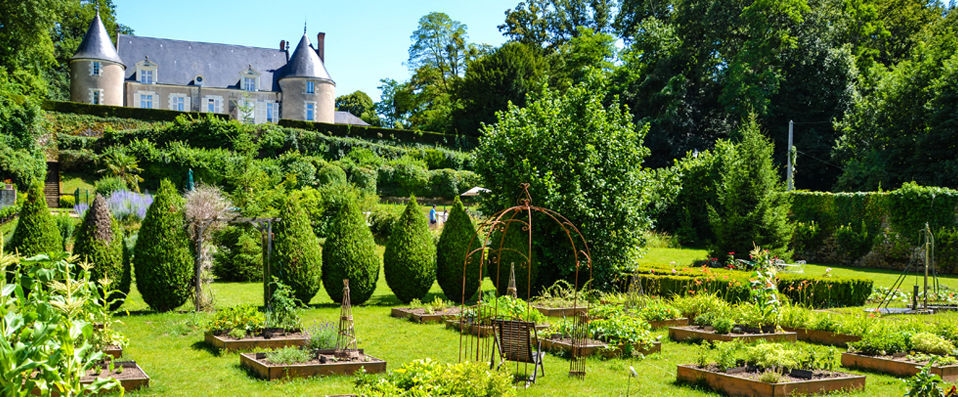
x=284 y=48
x=321 y=46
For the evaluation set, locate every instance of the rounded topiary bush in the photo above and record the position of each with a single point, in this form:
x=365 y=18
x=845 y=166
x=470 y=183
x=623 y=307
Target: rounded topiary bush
x=297 y=256
x=330 y=174
x=350 y=253
x=457 y=234
x=36 y=231
x=410 y=258
x=162 y=259
x=99 y=242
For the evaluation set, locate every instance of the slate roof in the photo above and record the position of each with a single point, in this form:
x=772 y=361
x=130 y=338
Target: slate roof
x=305 y=62
x=344 y=117
x=179 y=61
x=96 y=43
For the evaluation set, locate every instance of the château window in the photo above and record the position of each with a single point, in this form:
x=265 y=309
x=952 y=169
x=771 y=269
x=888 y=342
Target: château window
x=146 y=77
x=95 y=69
x=310 y=86
x=211 y=105
x=146 y=101
x=270 y=108
x=179 y=103
x=96 y=97
x=310 y=111
x=249 y=83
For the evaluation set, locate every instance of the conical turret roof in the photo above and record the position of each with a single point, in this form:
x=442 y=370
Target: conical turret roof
x=305 y=62
x=96 y=43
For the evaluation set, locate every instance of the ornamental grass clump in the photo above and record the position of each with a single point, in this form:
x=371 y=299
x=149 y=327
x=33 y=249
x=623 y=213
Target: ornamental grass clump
x=36 y=230
x=163 y=263
x=297 y=256
x=451 y=266
x=289 y=355
x=99 y=242
x=350 y=253
x=409 y=261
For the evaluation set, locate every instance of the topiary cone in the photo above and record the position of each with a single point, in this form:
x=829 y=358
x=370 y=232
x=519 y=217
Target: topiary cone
x=36 y=231
x=350 y=253
x=297 y=255
x=410 y=258
x=162 y=259
x=99 y=241
x=457 y=234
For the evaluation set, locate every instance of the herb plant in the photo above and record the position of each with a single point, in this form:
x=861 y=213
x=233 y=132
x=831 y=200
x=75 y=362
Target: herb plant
x=289 y=355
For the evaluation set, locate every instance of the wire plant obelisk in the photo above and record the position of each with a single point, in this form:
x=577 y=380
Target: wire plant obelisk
x=347 y=335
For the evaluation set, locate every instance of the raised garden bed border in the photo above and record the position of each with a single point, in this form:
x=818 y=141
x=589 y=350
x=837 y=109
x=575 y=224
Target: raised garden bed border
x=220 y=342
x=691 y=333
x=823 y=337
x=128 y=384
x=113 y=350
x=256 y=363
x=561 y=311
x=738 y=386
x=948 y=373
x=405 y=312
x=483 y=330
x=674 y=322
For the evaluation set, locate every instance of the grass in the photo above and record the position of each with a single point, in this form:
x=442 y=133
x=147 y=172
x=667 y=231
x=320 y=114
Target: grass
x=71 y=181
x=169 y=347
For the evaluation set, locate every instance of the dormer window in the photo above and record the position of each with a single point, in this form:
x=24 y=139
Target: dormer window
x=95 y=68
x=249 y=79
x=249 y=84
x=310 y=86
x=146 y=71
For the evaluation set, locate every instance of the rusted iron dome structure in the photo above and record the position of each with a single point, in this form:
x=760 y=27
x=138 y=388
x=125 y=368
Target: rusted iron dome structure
x=472 y=345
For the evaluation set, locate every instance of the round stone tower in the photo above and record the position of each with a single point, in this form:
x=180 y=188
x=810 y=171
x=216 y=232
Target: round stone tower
x=96 y=71
x=308 y=91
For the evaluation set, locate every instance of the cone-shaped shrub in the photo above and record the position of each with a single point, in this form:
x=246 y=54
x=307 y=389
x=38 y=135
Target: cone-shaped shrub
x=350 y=252
x=36 y=231
x=451 y=252
x=162 y=259
x=297 y=256
x=99 y=242
x=410 y=258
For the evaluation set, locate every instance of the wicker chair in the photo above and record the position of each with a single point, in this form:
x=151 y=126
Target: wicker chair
x=514 y=340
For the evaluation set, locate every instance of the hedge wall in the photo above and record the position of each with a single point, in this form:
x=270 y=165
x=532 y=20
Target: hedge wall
x=873 y=229
x=733 y=286
x=123 y=112
x=370 y=132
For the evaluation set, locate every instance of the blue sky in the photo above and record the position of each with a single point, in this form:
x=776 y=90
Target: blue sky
x=365 y=40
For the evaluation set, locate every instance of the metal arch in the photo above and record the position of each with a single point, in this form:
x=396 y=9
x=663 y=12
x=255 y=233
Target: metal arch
x=500 y=222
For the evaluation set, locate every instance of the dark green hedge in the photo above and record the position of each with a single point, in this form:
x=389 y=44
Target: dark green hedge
x=123 y=112
x=733 y=286
x=370 y=132
x=821 y=292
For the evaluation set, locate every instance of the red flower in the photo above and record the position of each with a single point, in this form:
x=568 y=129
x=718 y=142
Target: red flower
x=732 y=253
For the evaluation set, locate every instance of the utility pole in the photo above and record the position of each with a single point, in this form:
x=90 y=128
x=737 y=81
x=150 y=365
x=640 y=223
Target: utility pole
x=789 y=180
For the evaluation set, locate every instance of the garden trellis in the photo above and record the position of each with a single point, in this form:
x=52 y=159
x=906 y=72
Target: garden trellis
x=472 y=345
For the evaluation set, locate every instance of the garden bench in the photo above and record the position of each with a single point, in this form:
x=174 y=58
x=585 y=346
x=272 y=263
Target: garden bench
x=514 y=340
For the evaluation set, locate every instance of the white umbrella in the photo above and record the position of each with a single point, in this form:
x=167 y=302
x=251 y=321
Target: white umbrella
x=475 y=191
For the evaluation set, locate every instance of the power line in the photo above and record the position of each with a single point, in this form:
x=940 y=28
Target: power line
x=828 y=163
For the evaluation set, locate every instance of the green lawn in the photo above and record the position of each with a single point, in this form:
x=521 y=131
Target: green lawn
x=169 y=347
x=70 y=182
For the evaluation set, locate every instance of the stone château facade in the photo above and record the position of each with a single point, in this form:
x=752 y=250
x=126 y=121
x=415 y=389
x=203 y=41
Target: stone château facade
x=252 y=84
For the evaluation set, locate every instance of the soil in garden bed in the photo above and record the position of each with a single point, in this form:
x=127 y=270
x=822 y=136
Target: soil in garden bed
x=419 y=314
x=745 y=381
x=130 y=375
x=898 y=365
x=265 y=334
x=754 y=373
x=325 y=362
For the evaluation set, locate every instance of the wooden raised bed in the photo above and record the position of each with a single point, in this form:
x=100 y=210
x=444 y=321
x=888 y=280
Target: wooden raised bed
x=694 y=333
x=675 y=322
x=225 y=342
x=588 y=348
x=734 y=385
x=896 y=366
x=131 y=378
x=113 y=350
x=642 y=349
x=823 y=337
x=257 y=363
x=561 y=311
x=481 y=330
x=419 y=315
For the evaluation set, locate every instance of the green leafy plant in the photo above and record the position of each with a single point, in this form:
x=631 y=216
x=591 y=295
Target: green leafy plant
x=289 y=355
x=409 y=261
x=430 y=378
x=770 y=376
x=882 y=341
x=283 y=310
x=657 y=310
x=245 y=318
x=924 y=383
x=506 y=307
x=927 y=342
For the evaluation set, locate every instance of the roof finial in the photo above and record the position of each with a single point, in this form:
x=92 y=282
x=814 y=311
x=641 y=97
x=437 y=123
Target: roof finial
x=304 y=26
x=97 y=8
